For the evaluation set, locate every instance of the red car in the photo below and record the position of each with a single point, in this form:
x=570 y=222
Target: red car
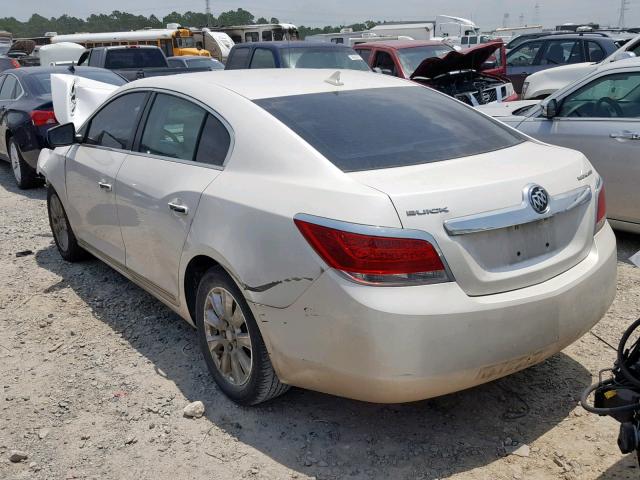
x=474 y=75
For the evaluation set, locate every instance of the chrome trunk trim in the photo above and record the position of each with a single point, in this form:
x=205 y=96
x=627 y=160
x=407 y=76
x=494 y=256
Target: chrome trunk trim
x=520 y=215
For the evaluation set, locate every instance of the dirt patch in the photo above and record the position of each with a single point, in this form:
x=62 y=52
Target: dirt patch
x=95 y=374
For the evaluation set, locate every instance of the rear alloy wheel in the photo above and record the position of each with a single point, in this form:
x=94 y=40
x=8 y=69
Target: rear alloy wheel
x=231 y=343
x=62 y=233
x=25 y=176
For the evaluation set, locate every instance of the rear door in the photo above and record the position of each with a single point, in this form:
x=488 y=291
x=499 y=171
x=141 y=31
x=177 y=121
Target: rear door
x=91 y=169
x=602 y=120
x=180 y=150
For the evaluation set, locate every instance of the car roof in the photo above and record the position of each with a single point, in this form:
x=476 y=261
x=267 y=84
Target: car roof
x=295 y=44
x=576 y=36
x=397 y=44
x=268 y=83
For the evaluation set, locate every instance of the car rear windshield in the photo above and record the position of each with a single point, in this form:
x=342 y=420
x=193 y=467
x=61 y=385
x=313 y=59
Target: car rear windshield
x=343 y=58
x=205 y=63
x=135 y=58
x=389 y=127
x=411 y=58
x=40 y=83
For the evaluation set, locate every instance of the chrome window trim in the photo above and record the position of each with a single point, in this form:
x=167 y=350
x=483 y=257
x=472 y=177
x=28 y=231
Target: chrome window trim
x=376 y=231
x=208 y=109
x=520 y=215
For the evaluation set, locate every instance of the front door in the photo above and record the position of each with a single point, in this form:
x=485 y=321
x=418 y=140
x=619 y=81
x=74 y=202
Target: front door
x=602 y=120
x=91 y=170
x=180 y=152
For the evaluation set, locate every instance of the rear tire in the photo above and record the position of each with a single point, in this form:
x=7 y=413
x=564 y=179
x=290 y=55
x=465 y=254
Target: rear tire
x=61 y=228
x=231 y=342
x=25 y=176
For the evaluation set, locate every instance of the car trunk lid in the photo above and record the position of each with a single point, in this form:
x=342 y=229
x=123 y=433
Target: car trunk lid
x=477 y=210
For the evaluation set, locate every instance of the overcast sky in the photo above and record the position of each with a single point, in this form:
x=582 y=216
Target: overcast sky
x=486 y=13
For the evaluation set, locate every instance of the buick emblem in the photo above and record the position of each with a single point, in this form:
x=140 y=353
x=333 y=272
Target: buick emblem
x=539 y=199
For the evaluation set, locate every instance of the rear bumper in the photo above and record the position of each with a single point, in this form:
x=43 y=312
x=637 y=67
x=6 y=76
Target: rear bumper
x=392 y=345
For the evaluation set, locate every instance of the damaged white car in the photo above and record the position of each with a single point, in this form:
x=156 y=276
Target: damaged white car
x=414 y=248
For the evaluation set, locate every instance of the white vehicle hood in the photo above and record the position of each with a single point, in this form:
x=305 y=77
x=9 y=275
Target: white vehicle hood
x=505 y=109
x=75 y=98
x=548 y=81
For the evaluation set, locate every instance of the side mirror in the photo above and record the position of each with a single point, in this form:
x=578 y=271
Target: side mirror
x=623 y=56
x=62 y=135
x=550 y=108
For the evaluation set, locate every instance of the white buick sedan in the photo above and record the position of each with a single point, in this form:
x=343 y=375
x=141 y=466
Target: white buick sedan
x=354 y=234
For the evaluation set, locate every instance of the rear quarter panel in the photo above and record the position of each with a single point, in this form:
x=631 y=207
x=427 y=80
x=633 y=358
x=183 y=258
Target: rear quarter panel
x=245 y=218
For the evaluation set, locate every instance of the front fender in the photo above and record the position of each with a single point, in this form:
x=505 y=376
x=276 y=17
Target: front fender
x=51 y=165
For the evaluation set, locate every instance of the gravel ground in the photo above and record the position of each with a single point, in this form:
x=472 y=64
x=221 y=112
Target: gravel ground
x=95 y=374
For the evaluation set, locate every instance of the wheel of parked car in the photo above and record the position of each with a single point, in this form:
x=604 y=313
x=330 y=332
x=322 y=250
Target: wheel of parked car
x=231 y=342
x=62 y=233
x=25 y=176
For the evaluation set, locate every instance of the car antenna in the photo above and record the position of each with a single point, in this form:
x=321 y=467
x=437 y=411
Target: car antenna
x=334 y=80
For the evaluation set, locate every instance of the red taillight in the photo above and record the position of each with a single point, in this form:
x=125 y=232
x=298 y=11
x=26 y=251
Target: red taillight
x=512 y=98
x=601 y=215
x=15 y=63
x=41 y=118
x=375 y=259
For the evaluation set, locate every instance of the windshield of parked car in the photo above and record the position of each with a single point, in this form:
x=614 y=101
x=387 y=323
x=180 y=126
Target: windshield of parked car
x=135 y=58
x=411 y=58
x=40 y=83
x=389 y=127
x=343 y=58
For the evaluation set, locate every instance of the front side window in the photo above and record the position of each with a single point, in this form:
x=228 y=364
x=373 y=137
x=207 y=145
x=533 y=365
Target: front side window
x=524 y=55
x=613 y=96
x=389 y=127
x=114 y=125
x=560 y=52
x=173 y=128
x=262 y=58
x=385 y=63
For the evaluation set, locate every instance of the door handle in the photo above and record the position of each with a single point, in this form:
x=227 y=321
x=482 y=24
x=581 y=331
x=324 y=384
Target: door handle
x=178 y=208
x=626 y=135
x=105 y=186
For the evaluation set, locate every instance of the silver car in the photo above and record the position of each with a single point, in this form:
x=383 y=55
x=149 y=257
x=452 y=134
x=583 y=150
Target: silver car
x=600 y=116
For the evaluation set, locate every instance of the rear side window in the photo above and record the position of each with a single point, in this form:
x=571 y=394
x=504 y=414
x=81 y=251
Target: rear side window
x=214 y=142
x=135 y=58
x=389 y=127
x=263 y=58
x=8 y=90
x=596 y=52
x=173 y=128
x=239 y=59
x=113 y=126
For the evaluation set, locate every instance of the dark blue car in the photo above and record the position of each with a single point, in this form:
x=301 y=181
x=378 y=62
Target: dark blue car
x=26 y=114
x=294 y=55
